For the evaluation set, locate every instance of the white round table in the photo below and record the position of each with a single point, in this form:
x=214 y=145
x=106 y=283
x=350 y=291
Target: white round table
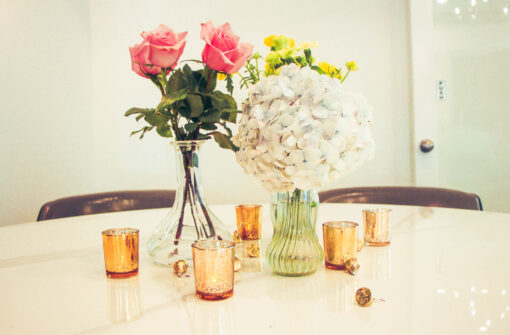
x=445 y=272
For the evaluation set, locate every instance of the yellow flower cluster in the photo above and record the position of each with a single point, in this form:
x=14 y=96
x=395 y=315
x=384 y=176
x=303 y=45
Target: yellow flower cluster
x=284 y=51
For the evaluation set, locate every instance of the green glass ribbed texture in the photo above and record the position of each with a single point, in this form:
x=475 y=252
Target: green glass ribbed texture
x=294 y=249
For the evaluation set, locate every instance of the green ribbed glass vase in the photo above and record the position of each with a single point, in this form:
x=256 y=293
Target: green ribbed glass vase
x=294 y=249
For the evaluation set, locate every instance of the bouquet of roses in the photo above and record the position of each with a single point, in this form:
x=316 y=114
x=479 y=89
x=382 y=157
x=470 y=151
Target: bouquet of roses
x=190 y=108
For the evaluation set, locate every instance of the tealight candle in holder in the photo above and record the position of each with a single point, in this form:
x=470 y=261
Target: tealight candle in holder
x=377 y=226
x=249 y=220
x=120 y=248
x=340 y=243
x=213 y=263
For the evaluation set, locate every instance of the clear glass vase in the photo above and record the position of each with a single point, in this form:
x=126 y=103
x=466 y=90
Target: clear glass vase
x=294 y=249
x=190 y=218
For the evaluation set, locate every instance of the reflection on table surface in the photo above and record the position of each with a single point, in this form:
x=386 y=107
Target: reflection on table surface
x=441 y=265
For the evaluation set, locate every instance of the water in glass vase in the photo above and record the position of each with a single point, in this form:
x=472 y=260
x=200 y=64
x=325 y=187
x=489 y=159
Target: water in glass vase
x=190 y=218
x=294 y=249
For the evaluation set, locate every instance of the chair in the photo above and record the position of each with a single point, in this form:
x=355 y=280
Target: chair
x=105 y=203
x=416 y=196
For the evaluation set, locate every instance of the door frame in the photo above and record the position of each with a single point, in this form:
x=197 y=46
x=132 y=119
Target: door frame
x=424 y=107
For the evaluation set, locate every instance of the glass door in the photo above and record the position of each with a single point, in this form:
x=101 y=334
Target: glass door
x=461 y=58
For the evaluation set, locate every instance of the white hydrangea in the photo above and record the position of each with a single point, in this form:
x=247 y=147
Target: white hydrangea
x=300 y=129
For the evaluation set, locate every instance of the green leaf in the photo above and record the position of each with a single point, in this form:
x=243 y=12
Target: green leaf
x=176 y=82
x=172 y=97
x=191 y=127
x=227 y=129
x=155 y=119
x=230 y=84
x=189 y=77
x=302 y=62
x=143 y=131
x=136 y=110
x=220 y=100
x=229 y=115
x=318 y=69
x=224 y=141
x=195 y=104
x=183 y=110
x=209 y=79
x=211 y=116
x=208 y=126
x=164 y=130
x=308 y=56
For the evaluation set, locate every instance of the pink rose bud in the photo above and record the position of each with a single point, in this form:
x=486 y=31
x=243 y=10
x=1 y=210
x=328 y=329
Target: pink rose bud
x=166 y=47
x=140 y=60
x=222 y=51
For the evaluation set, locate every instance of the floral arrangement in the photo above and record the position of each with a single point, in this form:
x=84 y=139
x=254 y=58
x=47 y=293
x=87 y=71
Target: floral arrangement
x=190 y=107
x=299 y=128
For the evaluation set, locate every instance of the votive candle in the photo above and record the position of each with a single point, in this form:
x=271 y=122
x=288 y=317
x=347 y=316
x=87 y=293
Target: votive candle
x=377 y=226
x=213 y=263
x=120 y=248
x=340 y=243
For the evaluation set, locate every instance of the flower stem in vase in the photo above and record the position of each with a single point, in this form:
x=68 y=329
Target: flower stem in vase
x=190 y=218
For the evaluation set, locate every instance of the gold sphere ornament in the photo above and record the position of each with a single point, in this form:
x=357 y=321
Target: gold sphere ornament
x=352 y=266
x=180 y=267
x=236 y=237
x=238 y=265
x=364 y=297
x=253 y=250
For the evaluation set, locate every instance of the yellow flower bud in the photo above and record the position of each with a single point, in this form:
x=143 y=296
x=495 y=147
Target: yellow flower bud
x=272 y=58
x=292 y=43
x=327 y=68
x=352 y=66
x=269 y=41
x=281 y=42
x=222 y=76
x=286 y=53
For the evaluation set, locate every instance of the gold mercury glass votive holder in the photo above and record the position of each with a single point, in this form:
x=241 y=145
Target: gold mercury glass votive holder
x=340 y=243
x=213 y=263
x=120 y=248
x=377 y=226
x=249 y=222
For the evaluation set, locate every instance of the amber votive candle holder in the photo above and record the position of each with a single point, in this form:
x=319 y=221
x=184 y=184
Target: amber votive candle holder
x=120 y=248
x=340 y=243
x=249 y=222
x=213 y=263
x=377 y=226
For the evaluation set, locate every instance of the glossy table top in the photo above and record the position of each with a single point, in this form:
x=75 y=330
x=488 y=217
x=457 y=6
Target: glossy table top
x=446 y=271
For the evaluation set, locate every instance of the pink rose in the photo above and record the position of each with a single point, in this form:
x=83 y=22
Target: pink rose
x=165 y=46
x=223 y=52
x=140 y=62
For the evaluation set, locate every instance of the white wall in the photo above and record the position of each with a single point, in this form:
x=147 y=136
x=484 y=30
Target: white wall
x=66 y=82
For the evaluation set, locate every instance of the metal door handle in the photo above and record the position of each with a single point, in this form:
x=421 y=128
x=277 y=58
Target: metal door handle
x=426 y=145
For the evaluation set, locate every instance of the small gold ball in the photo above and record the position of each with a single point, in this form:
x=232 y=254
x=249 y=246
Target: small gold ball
x=236 y=237
x=352 y=266
x=364 y=297
x=238 y=265
x=180 y=267
x=253 y=250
